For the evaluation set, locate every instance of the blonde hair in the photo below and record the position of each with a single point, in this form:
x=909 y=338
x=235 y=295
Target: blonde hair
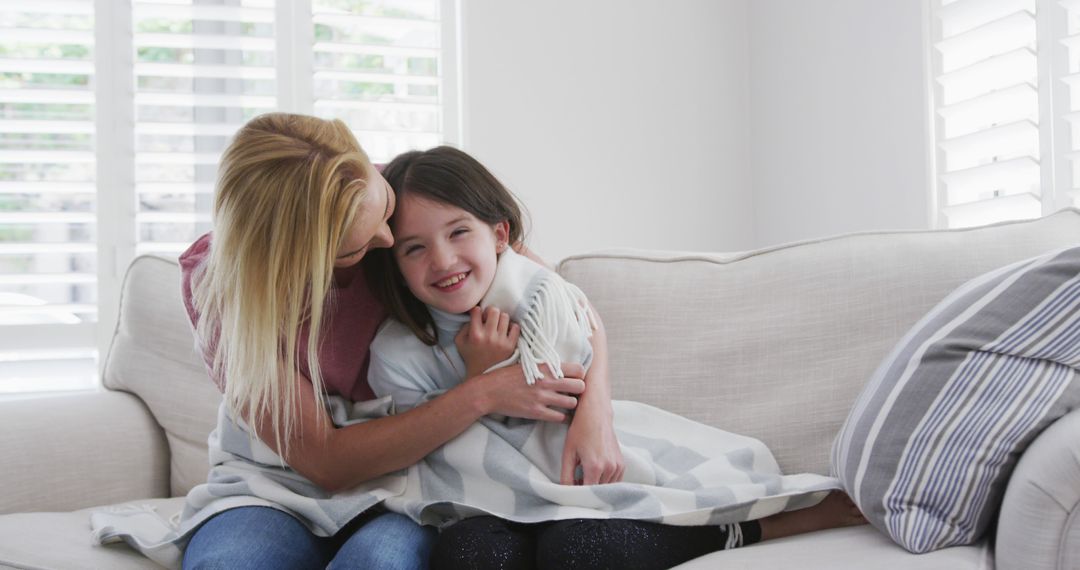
x=287 y=191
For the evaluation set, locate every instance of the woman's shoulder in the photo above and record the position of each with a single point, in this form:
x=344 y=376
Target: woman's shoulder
x=195 y=254
x=190 y=262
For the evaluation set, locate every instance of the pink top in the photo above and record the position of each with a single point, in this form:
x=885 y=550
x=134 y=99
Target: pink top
x=347 y=331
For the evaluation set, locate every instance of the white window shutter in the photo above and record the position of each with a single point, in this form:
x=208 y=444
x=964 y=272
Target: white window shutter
x=987 y=102
x=378 y=66
x=202 y=68
x=1004 y=71
x=1067 y=100
x=48 y=259
x=92 y=175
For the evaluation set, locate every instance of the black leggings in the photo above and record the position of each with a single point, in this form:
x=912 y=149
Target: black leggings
x=490 y=542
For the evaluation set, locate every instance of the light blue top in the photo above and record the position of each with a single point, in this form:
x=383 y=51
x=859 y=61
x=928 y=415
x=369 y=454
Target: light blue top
x=412 y=372
x=409 y=370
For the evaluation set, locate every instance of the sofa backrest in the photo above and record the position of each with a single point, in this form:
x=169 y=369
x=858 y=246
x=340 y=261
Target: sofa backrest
x=777 y=343
x=153 y=356
x=774 y=343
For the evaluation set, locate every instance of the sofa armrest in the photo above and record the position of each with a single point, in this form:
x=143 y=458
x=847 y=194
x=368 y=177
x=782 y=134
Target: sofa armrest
x=1039 y=525
x=74 y=451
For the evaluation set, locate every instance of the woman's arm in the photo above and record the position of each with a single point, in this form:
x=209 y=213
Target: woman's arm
x=341 y=458
x=591 y=441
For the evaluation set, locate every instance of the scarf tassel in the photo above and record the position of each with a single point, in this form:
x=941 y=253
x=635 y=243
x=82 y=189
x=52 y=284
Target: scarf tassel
x=554 y=302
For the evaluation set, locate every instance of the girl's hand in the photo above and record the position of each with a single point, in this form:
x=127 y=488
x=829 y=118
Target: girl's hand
x=591 y=441
x=486 y=340
x=592 y=445
x=505 y=392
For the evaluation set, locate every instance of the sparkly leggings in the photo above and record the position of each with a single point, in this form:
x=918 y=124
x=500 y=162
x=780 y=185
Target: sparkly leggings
x=490 y=542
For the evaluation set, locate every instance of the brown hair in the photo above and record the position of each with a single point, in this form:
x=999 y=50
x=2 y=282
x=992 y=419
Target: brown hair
x=449 y=176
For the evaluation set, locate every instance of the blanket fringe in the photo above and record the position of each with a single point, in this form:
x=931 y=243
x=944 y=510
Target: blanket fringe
x=734 y=536
x=554 y=302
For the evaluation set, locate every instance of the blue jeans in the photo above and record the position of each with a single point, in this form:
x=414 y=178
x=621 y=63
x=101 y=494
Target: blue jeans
x=261 y=537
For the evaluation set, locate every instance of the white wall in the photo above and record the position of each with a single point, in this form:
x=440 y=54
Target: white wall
x=839 y=139
x=617 y=123
x=699 y=124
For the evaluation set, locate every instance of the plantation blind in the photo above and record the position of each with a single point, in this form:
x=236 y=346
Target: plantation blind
x=113 y=117
x=1001 y=98
x=383 y=69
x=48 y=251
x=1067 y=99
x=201 y=70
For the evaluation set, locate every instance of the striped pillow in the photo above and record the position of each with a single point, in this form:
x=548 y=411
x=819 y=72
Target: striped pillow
x=929 y=445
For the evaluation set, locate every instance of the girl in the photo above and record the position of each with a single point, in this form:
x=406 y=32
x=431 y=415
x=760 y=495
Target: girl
x=453 y=222
x=277 y=300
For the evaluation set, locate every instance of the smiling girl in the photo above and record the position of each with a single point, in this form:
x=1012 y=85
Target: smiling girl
x=453 y=222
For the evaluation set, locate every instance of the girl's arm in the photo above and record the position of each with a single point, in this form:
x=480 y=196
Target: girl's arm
x=591 y=441
x=341 y=458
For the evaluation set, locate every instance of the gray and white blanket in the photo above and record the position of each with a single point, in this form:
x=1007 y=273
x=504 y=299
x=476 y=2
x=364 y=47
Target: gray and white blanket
x=677 y=472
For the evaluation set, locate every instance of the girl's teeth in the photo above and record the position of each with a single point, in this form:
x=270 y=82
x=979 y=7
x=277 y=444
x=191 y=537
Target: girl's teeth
x=451 y=280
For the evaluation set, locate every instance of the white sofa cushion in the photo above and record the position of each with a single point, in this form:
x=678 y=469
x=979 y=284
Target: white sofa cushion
x=851 y=548
x=77 y=450
x=153 y=356
x=63 y=540
x=776 y=343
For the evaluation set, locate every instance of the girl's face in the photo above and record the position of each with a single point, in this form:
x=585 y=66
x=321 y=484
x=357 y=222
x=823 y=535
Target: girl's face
x=446 y=254
x=369 y=229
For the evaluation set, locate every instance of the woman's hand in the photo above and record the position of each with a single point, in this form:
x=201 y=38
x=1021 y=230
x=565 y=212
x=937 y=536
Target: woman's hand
x=505 y=392
x=486 y=340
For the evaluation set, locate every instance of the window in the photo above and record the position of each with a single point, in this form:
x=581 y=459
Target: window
x=113 y=115
x=1005 y=108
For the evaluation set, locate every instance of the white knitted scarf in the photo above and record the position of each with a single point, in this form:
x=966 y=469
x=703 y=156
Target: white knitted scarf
x=554 y=315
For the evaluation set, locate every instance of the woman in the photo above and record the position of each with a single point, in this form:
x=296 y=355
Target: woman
x=283 y=319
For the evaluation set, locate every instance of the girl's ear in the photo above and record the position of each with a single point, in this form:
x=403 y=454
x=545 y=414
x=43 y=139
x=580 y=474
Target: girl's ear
x=502 y=235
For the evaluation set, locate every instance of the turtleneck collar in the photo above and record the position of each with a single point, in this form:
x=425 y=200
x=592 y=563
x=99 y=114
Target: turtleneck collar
x=447 y=325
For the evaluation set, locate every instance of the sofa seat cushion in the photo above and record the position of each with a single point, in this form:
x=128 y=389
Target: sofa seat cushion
x=63 y=540
x=851 y=548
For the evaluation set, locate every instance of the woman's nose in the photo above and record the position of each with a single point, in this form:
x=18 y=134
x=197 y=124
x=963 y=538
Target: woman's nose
x=384 y=237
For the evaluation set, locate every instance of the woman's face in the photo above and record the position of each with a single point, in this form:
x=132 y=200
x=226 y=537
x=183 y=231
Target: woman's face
x=446 y=255
x=369 y=228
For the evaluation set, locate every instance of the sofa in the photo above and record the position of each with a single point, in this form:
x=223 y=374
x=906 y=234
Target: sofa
x=774 y=343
